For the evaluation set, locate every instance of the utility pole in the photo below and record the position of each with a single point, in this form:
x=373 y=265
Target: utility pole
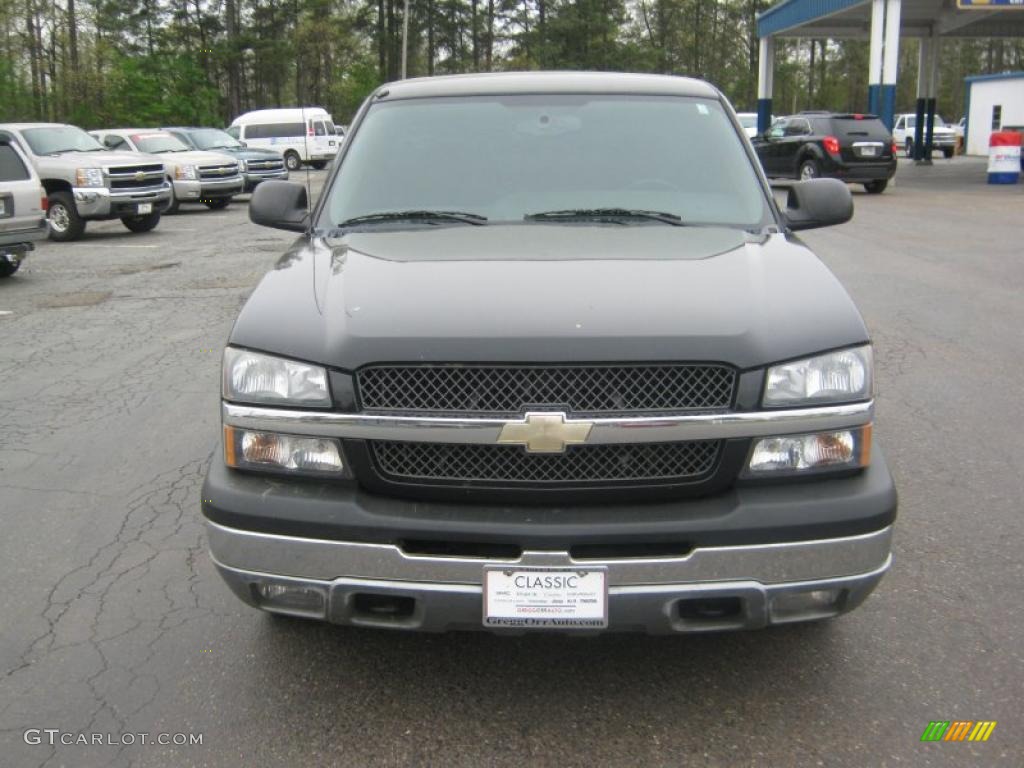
x=405 y=37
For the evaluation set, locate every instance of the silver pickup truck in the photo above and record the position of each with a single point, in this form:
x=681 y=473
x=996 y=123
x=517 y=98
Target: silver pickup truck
x=84 y=181
x=210 y=178
x=22 y=208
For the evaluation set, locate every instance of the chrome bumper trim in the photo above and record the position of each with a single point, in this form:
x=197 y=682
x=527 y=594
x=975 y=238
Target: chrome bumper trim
x=646 y=429
x=325 y=559
x=99 y=201
x=648 y=608
x=220 y=184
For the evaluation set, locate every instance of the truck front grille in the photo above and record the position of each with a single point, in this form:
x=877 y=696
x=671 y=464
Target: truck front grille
x=588 y=464
x=264 y=166
x=214 y=172
x=578 y=389
x=135 y=176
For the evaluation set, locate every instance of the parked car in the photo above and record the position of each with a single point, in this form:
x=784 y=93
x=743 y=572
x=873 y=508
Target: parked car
x=518 y=373
x=301 y=134
x=256 y=164
x=943 y=136
x=22 y=208
x=85 y=182
x=196 y=177
x=847 y=146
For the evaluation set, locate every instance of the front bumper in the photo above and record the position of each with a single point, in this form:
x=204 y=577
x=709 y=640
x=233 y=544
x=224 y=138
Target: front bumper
x=252 y=178
x=749 y=545
x=15 y=241
x=187 y=190
x=648 y=595
x=103 y=203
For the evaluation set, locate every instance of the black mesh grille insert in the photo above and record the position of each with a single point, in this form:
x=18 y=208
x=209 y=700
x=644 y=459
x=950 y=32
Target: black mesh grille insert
x=581 y=389
x=467 y=463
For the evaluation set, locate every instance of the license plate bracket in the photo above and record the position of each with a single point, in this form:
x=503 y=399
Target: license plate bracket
x=144 y=208
x=545 y=598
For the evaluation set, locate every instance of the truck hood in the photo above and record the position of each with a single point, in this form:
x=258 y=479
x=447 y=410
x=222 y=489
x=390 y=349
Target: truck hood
x=249 y=153
x=103 y=159
x=195 y=157
x=550 y=292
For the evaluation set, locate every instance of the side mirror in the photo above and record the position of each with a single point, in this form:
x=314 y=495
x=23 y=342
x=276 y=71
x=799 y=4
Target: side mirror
x=281 y=205
x=243 y=144
x=817 y=203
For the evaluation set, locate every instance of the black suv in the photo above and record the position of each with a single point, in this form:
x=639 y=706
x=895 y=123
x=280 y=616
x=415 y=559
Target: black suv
x=846 y=146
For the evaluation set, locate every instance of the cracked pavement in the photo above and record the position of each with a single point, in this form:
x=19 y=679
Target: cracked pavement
x=112 y=618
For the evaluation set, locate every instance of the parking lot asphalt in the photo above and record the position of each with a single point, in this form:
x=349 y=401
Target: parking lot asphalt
x=113 y=621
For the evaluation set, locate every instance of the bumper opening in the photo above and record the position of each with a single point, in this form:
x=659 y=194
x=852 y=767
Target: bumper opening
x=381 y=607
x=714 y=609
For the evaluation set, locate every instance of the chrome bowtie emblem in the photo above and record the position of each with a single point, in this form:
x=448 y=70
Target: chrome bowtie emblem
x=140 y=175
x=545 y=432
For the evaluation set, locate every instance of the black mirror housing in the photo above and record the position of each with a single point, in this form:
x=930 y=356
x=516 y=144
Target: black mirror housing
x=281 y=205
x=818 y=203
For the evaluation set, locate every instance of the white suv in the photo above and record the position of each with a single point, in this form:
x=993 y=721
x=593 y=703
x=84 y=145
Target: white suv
x=22 y=208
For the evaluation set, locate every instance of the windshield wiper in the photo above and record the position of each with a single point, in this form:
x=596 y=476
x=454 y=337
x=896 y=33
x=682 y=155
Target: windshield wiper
x=605 y=213
x=466 y=218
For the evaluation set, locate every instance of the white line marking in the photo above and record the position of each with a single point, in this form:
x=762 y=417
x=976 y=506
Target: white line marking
x=90 y=245
x=5 y=312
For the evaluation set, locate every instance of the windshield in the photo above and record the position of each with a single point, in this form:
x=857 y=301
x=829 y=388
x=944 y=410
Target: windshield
x=912 y=121
x=157 y=143
x=60 y=138
x=507 y=157
x=214 y=138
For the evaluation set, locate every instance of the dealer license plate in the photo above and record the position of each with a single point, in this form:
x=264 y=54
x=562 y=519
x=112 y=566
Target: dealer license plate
x=145 y=208
x=3 y=208
x=538 y=598
x=869 y=151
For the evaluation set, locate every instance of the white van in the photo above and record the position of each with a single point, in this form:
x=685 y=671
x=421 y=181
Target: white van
x=301 y=134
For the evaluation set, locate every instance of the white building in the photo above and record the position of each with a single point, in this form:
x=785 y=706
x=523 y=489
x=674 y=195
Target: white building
x=994 y=102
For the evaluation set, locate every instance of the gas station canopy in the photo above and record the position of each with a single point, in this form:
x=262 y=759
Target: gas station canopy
x=884 y=22
x=844 y=19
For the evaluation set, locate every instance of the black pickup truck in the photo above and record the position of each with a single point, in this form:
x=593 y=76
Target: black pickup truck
x=547 y=355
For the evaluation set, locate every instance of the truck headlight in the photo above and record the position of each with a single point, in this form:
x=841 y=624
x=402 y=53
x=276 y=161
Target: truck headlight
x=836 y=377
x=246 y=449
x=252 y=377
x=807 y=454
x=89 y=177
x=186 y=172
